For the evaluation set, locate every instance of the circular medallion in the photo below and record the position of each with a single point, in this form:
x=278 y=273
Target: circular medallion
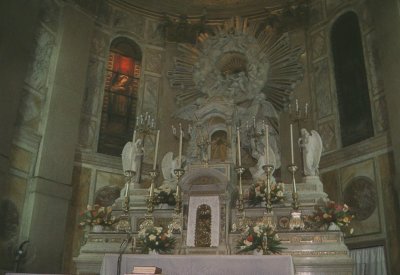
x=360 y=196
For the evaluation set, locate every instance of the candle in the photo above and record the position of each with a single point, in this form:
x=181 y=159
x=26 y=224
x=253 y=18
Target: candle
x=134 y=136
x=266 y=151
x=240 y=186
x=306 y=109
x=156 y=150
x=151 y=189
x=297 y=106
x=180 y=146
x=254 y=121
x=291 y=143
x=126 y=189
x=238 y=147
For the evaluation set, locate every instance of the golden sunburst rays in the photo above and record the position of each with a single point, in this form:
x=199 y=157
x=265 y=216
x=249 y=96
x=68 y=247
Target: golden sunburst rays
x=284 y=72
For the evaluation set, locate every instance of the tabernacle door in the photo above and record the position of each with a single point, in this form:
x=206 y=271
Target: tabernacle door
x=196 y=204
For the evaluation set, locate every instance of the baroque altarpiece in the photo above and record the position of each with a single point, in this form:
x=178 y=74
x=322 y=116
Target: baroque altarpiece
x=231 y=88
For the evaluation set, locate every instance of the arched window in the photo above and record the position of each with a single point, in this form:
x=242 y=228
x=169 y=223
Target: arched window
x=351 y=80
x=120 y=96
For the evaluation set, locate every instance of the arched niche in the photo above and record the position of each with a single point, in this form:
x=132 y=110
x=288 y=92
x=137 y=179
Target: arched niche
x=351 y=80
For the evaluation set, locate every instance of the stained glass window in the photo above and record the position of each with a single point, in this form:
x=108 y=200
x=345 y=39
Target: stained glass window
x=120 y=96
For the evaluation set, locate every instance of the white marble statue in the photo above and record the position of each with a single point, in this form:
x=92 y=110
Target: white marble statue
x=168 y=165
x=257 y=152
x=312 y=149
x=131 y=155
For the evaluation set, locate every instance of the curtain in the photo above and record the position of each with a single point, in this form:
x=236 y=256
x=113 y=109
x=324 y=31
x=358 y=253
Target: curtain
x=369 y=261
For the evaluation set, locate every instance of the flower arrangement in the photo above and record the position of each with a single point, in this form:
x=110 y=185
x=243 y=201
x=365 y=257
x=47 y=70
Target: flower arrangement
x=97 y=215
x=257 y=193
x=260 y=237
x=332 y=213
x=157 y=239
x=164 y=194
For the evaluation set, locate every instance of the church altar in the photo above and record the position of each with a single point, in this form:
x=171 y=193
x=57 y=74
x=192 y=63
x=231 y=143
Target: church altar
x=229 y=147
x=202 y=264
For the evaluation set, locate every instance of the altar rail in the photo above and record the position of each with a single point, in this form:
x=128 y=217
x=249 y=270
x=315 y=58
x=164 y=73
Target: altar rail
x=202 y=264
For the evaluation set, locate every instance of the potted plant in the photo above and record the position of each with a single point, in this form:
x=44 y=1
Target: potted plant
x=261 y=239
x=257 y=193
x=164 y=195
x=332 y=216
x=156 y=240
x=97 y=217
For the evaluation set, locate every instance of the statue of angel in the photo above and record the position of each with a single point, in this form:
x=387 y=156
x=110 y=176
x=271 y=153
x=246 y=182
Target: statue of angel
x=257 y=152
x=168 y=165
x=131 y=155
x=312 y=149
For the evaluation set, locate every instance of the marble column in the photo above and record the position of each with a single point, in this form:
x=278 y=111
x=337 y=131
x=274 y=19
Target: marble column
x=17 y=38
x=49 y=192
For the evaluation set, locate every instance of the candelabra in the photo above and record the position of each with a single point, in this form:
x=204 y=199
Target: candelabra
x=145 y=124
x=296 y=221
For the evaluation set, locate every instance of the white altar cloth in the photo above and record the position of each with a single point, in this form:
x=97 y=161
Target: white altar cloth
x=202 y=264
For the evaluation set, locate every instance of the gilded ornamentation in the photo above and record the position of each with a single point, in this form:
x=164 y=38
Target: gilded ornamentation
x=203 y=226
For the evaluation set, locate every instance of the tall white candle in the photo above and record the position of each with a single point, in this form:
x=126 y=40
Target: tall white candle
x=126 y=189
x=266 y=147
x=156 y=150
x=180 y=146
x=238 y=147
x=291 y=143
x=134 y=136
x=151 y=189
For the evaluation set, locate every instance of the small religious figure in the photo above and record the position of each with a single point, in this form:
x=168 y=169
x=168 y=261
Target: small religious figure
x=312 y=149
x=219 y=146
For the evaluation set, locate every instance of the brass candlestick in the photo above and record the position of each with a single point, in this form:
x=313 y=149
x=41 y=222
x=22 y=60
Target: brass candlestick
x=148 y=217
x=178 y=196
x=240 y=170
x=124 y=223
x=296 y=220
x=177 y=218
x=269 y=217
x=268 y=172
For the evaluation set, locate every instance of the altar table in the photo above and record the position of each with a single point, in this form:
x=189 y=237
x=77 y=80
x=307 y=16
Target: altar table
x=202 y=264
